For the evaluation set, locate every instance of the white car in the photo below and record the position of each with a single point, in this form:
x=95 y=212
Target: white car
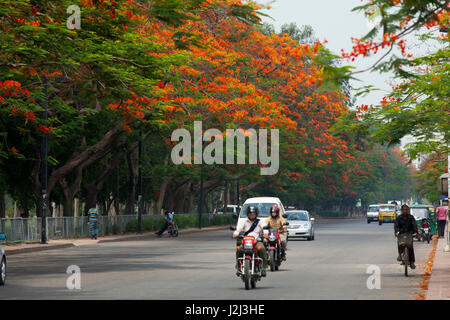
x=301 y=224
x=263 y=204
x=372 y=213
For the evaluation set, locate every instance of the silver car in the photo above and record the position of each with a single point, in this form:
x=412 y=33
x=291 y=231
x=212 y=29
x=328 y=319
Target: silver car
x=2 y=262
x=301 y=224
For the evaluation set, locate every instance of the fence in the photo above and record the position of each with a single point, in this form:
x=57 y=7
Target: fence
x=29 y=230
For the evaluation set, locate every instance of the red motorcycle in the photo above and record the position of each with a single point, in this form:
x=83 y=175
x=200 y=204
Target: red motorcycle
x=250 y=265
x=274 y=249
x=172 y=229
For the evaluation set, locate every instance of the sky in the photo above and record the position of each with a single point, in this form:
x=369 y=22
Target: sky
x=334 y=21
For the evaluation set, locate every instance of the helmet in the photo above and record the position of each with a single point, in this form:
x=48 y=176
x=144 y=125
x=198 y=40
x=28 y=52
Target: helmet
x=275 y=209
x=252 y=209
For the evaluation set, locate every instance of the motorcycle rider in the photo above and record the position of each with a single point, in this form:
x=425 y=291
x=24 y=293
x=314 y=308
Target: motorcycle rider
x=406 y=223
x=275 y=221
x=252 y=227
x=169 y=218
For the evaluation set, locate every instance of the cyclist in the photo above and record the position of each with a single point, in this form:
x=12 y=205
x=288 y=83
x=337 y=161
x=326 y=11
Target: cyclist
x=406 y=223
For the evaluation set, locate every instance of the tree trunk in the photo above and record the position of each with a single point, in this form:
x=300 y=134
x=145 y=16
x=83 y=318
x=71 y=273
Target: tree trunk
x=162 y=194
x=225 y=197
x=190 y=199
x=69 y=192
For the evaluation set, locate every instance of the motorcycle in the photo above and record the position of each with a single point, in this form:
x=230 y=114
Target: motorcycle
x=274 y=249
x=424 y=231
x=249 y=264
x=172 y=229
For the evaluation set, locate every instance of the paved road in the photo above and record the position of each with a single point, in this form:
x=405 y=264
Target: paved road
x=201 y=266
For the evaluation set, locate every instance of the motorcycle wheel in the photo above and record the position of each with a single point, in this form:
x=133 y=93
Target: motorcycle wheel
x=272 y=260
x=380 y=222
x=428 y=238
x=253 y=284
x=276 y=268
x=247 y=275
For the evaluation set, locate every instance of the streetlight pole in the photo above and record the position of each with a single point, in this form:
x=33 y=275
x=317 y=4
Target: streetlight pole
x=140 y=184
x=200 y=204
x=237 y=193
x=44 y=168
x=447 y=247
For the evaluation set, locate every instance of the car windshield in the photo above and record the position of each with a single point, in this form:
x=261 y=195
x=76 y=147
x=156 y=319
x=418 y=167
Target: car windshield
x=387 y=208
x=373 y=209
x=419 y=213
x=302 y=216
x=263 y=209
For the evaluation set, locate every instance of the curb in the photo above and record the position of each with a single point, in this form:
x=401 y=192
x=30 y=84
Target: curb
x=12 y=251
x=181 y=232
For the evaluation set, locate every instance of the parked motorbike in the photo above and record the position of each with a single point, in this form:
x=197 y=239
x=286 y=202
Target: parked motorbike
x=172 y=229
x=274 y=248
x=250 y=265
x=424 y=231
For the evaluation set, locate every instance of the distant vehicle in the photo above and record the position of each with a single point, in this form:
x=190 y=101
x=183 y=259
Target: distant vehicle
x=372 y=213
x=231 y=209
x=2 y=262
x=263 y=204
x=425 y=222
x=387 y=213
x=301 y=224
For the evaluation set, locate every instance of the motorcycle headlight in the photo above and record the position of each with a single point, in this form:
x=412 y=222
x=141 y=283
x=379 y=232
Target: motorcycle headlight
x=272 y=238
x=248 y=245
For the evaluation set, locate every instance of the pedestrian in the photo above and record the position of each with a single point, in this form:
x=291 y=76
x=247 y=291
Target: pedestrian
x=441 y=214
x=94 y=223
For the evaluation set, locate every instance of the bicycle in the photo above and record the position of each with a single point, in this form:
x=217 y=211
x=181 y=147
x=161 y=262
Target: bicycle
x=405 y=241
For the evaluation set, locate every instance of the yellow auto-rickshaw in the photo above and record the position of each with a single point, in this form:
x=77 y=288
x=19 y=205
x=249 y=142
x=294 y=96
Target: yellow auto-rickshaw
x=387 y=213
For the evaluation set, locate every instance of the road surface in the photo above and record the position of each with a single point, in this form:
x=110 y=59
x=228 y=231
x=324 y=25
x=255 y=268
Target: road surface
x=201 y=266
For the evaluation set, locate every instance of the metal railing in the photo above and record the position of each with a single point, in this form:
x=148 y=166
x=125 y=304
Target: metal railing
x=29 y=229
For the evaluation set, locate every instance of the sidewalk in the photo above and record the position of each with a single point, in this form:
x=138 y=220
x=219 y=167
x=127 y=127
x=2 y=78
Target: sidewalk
x=439 y=284
x=67 y=243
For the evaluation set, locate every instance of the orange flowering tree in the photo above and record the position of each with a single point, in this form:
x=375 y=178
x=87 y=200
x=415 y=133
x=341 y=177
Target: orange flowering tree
x=418 y=102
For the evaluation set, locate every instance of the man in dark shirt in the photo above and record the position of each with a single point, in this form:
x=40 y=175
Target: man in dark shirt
x=406 y=223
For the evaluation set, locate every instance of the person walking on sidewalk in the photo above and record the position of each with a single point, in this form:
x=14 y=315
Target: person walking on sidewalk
x=94 y=222
x=441 y=215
